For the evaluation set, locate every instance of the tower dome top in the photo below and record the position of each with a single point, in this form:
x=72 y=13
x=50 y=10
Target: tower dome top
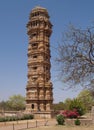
x=39 y=8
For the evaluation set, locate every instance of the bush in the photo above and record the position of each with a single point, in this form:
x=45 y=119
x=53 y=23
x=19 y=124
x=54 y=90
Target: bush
x=70 y=114
x=77 y=122
x=2 y=119
x=15 y=118
x=73 y=114
x=60 y=119
x=28 y=116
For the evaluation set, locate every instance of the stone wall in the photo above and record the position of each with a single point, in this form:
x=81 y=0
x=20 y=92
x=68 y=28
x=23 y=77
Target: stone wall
x=43 y=115
x=83 y=122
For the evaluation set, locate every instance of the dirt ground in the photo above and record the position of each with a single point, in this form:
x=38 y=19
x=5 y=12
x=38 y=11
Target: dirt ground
x=64 y=128
x=41 y=125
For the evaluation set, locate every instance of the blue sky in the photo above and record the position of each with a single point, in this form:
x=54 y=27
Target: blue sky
x=14 y=15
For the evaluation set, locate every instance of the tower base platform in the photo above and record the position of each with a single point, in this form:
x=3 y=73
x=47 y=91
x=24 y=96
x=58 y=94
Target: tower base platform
x=43 y=115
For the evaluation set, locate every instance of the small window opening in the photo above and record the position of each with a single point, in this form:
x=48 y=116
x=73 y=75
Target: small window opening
x=34 y=45
x=34 y=68
x=34 y=56
x=32 y=106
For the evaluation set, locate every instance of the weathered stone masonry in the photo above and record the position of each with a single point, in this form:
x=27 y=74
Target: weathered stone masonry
x=39 y=96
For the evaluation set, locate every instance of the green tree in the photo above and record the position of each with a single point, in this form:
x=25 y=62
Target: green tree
x=58 y=106
x=67 y=103
x=16 y=102
x=86 y=98
x=4 y=105
x=76 y=56
x=78 y=105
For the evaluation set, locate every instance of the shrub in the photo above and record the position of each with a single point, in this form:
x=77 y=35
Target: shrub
x=15 y=118
x=2 y=119
x=77 y=122
x=28 y=116
x=70 y=114
x=73 y=114
x=65 y=113
x=60 y=119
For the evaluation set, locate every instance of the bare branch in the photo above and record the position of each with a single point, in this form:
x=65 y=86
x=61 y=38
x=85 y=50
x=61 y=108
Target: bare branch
x=76 y=55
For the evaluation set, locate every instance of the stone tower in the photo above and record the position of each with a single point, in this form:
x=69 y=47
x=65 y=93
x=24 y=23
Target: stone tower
x=39 y=96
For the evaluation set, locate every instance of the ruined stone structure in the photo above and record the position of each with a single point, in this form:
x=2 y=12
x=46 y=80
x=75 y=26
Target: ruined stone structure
x=39 y=96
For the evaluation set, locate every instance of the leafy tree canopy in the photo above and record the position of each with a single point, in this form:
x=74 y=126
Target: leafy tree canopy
x=86 y=98
x=16 y=102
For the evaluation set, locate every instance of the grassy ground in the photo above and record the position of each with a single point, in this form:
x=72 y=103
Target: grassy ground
x=64 y=128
